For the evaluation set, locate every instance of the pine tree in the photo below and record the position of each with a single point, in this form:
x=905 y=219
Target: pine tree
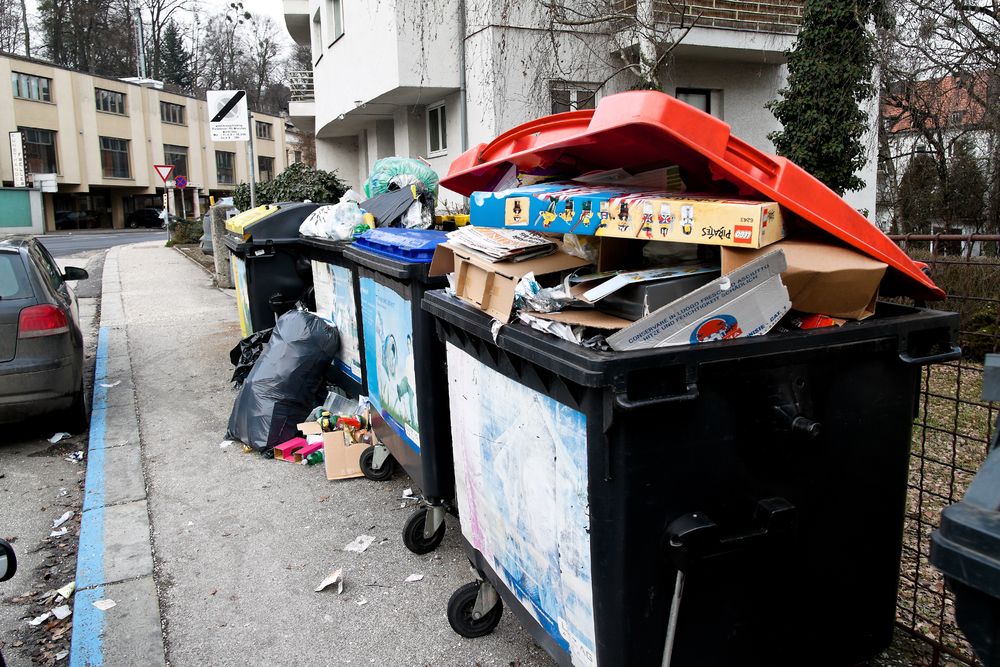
x=829 y=79
x=965 y=193
x=175 y=59
x=920 y=202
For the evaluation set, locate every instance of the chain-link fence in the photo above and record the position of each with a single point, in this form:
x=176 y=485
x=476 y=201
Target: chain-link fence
x=950 y=436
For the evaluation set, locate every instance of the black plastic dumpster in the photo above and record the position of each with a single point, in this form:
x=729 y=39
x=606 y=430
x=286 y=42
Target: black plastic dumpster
x=753 y=489
x=407 y=380
x=967 y=546
x=338 y=299
x=269 y=272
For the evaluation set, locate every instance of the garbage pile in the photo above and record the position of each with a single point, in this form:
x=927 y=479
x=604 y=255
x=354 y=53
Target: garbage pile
x=399 y=192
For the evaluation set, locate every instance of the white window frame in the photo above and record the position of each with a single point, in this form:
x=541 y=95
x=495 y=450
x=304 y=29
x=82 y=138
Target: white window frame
x=335 y=21
x=714 y=96
x=442 y=132
x=264 y=130
x=578 y=91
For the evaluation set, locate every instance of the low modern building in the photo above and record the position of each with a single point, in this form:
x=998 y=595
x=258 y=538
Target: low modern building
x=398 y=78
x=101 y=137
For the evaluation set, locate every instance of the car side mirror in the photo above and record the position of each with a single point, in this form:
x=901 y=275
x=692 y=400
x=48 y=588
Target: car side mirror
x=75 y=273
x=8 y=562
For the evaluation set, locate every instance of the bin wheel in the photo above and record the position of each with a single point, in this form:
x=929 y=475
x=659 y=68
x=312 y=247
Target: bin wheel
x=460 y=613
x=413 y=533
x=379 y=475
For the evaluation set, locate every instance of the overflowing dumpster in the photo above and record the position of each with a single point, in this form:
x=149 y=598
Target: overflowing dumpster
x=406 y=380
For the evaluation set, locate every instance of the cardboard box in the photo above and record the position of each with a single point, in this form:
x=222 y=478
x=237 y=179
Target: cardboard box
x=631 y=214
x=489 y=285
x=341 y=452
x=822 y=278
x=746 y=302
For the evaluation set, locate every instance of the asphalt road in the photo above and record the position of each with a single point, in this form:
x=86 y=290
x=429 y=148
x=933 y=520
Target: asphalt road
x=71 y=243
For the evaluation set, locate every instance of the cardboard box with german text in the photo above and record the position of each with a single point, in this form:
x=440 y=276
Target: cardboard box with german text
x=341 y=451
x=745 y=302
x=489 y=285
x=822 y=278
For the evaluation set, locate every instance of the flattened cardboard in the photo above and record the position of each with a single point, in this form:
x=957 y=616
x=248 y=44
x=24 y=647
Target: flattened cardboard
x=822 y=278
x=746 y=302
x=585 y=318
x=490 y=285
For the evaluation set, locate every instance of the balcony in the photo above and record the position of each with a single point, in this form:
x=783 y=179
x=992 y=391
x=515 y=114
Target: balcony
x=297 y=20
x=302 y=85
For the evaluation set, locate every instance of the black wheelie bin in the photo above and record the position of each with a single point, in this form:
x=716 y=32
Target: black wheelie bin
x=269 y=272
x=406 y=380
x=338 y=300
x=730 y=503
x=967 y=546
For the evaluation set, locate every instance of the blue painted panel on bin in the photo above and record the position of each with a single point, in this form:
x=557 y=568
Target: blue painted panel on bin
x=521 y=478
x=406 y=245
x=392 y=387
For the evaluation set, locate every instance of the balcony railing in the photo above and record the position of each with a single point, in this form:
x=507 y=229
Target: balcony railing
x=301 y=83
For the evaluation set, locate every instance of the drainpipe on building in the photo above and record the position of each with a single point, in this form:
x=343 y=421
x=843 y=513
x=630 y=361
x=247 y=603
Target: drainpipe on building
x=463 y=99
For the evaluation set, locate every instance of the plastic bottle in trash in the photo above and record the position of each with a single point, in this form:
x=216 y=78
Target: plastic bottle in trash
x=314 y=458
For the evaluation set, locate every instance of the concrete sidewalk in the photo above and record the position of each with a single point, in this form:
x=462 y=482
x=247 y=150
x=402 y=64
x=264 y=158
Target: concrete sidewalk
x=240 y=542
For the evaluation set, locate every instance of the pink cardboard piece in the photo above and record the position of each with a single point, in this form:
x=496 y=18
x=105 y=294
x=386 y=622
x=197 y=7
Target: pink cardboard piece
x=307 y=450
x=284 y=451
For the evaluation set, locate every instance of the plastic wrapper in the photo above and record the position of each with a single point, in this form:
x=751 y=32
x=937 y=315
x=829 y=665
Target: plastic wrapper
x=529 y=295
x=283 y=386
x=337 y=222
x=573 y=334
x=394 y=173
x=584 y=247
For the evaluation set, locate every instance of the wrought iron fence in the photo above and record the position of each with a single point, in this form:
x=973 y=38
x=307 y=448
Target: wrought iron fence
x=951 y=437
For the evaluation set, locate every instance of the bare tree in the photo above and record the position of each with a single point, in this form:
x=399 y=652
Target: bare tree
x=161 y=13
x=263 y=53
x=27 y=30
x=11 y=27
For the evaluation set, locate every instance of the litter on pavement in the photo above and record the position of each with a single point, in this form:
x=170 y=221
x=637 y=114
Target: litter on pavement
x=105 y=604
x=413 y=577
x=335 y=577
x=58 y=436
x=360 y=543
x=61 y=612
x=38 y=620
x=63 y=519
x=66 y=591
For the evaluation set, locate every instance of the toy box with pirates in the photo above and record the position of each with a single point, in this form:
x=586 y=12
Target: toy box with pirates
x=596 y=210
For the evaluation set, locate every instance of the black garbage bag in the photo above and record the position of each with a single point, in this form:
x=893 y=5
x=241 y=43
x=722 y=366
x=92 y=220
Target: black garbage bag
x=282 y=386
x=246 y=353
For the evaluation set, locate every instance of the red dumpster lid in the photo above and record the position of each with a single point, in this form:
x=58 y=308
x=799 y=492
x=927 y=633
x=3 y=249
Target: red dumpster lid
x=642 y=130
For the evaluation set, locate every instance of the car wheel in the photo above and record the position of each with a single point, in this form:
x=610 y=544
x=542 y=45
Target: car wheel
x=76 y=417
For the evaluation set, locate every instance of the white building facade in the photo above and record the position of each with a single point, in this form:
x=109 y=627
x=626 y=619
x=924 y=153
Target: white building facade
x=431 y=79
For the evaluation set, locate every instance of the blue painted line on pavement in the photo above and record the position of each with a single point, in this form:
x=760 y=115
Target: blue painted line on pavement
x=86 y=649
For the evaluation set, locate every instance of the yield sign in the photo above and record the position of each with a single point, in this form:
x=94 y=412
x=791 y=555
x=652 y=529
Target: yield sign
x=164 y=171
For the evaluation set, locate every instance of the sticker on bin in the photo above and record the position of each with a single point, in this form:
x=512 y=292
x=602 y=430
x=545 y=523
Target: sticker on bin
x=746 y=302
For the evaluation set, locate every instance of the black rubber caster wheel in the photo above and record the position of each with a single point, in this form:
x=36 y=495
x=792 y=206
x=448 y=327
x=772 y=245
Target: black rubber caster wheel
x=413 y=533
x=460 y=613
x=380 y=475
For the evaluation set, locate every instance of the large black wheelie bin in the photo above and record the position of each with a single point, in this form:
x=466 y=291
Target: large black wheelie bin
x=730 y=503
x=337 y=296
x=967 y=546
x=406 y=378
x=269 y=272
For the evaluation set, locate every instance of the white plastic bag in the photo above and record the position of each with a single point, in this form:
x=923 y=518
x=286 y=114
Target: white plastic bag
x=336 y=221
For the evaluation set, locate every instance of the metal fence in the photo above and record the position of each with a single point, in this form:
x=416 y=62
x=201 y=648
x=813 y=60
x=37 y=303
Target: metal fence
x=950 y=436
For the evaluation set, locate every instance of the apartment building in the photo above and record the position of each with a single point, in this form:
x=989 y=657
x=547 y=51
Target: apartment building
x=101 y=136
x=399 y=77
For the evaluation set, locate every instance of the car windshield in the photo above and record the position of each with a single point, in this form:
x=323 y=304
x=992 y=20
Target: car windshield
x=13 y=278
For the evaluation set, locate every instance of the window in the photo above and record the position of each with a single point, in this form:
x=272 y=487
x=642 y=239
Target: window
x=172 y=113
x=40 y=150
x=13 y=278
x=437 y=129
x=570 y=96
x=31 y=87
x=177 y=156
x=335 y=18
x=265 y=165
x=699 y=98
x=110 y=101
x=225 y=167
x=264 y=130
x=316 y=35
x=297 y=156
x=956 y=117
x=114 y=158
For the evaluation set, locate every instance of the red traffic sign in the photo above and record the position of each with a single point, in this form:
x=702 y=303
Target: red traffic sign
x=164 y=171
x=181 y=182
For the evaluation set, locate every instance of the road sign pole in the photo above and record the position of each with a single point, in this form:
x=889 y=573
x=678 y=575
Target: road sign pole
x=250 y=158
x=183 y=206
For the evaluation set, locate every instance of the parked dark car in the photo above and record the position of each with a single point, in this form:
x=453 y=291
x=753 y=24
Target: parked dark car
x=41 y=345
x=76 y=220
x=8 y=567
x=145 y=217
